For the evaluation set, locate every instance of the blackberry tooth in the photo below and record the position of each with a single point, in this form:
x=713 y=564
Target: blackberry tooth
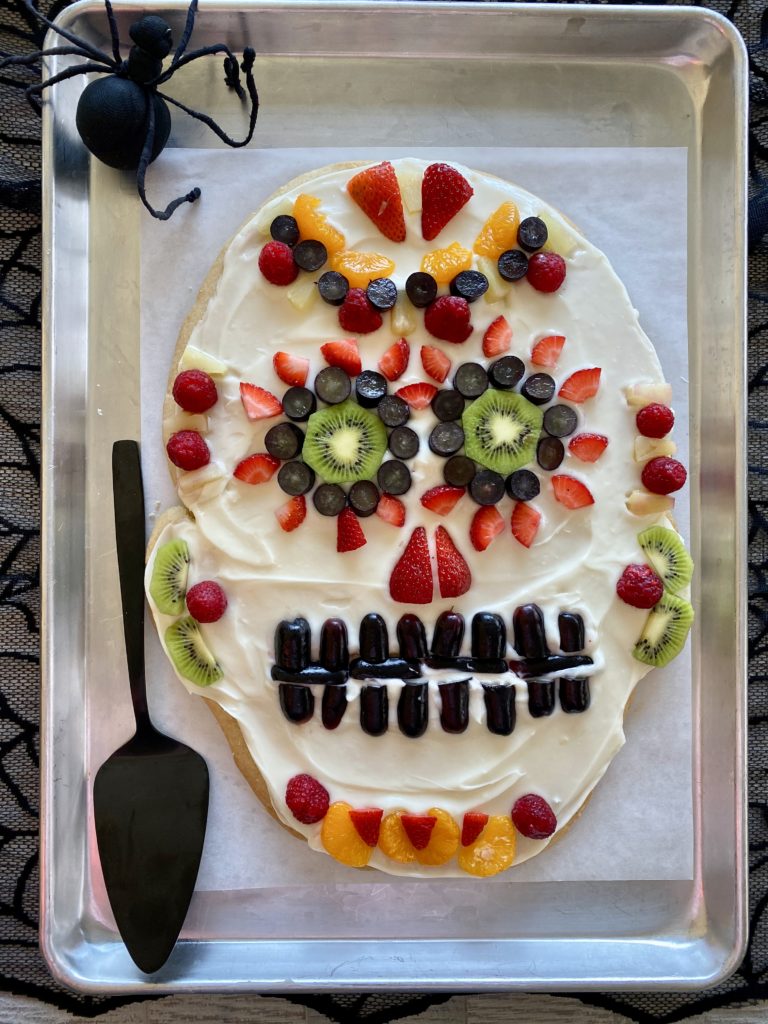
x=500 y=712
x=334 y=645
x=374 y=710
x=454 y=710
x=571 y=626
x=374 y=638
x=390 y=668
x=534 y=667
x=541 y=698
x=297 y=702
x=489 y=636
x=574 y=695
x=311 y=675
x=448 y=635
x=530 y=637
x=334 y=705
x=413 y=709
x=292 y=644
x=412 y=638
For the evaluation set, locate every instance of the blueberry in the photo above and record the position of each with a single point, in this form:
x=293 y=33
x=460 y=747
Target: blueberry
x=299 y=404
x=382 y=293
x=538 y=388
x=459 y=471
x=285 y=229
x=513 y=264
x=364 y=497
x=523 y=485
x=448 y=404
x=469 y=285
x=394 y=477
x=333 y=287
x=329 y=499
x=296 y=478
x=421 y=289
x=446 y=439
x=393 y=411
x=284 y=441
x=560 y=420
x=506 y=372
x=333 y=385
x=532 y=234
x=470 y=380
x=487 y=487
x=403 y=443
x=310 y=255
x=370 y=388
x=550 y=452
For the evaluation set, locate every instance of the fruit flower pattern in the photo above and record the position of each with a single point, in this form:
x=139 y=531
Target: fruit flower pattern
x=429 y=427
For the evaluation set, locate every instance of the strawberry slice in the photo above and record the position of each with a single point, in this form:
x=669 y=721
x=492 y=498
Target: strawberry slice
x=418 y=828
x=443 y=193
x=257 y=469
x=571 y=492
x=258 y=403
x=498 y=337
x=395 y=360
x=418 y=395
x=453 y=575
x=291 y=369
x=487 y=523
x=367 y=821
x=376 y=191
x=525 y=523
x=442 y=499
x=473 y=824
x=411 y=579
x=588 y=447
x=581 y=385
x=391 y=510
x=349 y=536
x=292 y=514
x=344 y=354
x=436 y=364
x=547 y=351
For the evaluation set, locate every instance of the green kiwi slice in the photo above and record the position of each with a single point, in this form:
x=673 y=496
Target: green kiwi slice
x=665 y=631
x=168 y=584
x=501 y=430
x=344 y=443
x=665 y=551
x=189 y=653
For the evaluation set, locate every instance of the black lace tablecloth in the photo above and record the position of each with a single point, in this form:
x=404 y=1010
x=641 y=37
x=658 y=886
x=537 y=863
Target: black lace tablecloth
x=22 y=969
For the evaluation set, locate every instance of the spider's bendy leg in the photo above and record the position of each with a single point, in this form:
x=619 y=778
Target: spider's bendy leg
x=204 y=51
x=141 y=172
x=78 y=69
x=92 y=51
x=25 y=59
x=113 y=31
x=185 y=37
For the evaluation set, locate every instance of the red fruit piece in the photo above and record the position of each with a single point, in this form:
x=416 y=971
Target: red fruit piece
x=581 y=385
x=344 y=354
x=533 y=817
x=487 y=523
x=367 y=821
x=187 y=450
x=447 y=318
x=498 y=337
x=391 y=510
x=473 y=824
x=395 y=360
x=653 y=420
x=357 y=315
x=349 y=535
x=277 y=264
x=376 y=191
x=259 y=404
x=442 y=499
x=588 y=447
x=571 y=492
x=307 y=800
x=547 y=351
x=292 y=514
x=639 y=586
x=443 y=193
x=291 y=369
x=257 y=469
x=411 y=579
x=453 y=574
x=206 y=601
x=546 y=271
x=436 y=364
x=418 y=395
x=525 y=523
x=663 y=475
x=418 y=828
x=194 y=391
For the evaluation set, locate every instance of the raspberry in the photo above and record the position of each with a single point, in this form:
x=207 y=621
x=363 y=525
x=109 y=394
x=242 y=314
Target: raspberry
x=307 y=800
x=357 y=315
x=655 y=420
x=447 y=318
x=206 y=601
x=663 y=475
x=533 y=817
x=188 y=450
x=639 y=586
x=194 y=391
x=277 y=264
x=546 y=271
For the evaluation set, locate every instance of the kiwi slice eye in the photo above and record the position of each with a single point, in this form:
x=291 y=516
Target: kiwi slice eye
x=168 y=584
x=665 y=631
x=665 y=551
x=189 y=653
x=345 y=443
x=501 y=431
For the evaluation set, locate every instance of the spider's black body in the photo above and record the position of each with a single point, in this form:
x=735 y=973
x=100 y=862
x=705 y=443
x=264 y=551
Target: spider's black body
x=123 y=118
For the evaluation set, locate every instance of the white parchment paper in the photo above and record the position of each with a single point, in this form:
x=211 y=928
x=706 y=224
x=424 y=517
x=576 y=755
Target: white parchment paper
x=631 y=203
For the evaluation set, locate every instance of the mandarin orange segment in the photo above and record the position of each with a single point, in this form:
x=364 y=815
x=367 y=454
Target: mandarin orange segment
x=360 y=268
x=493 y=850
x=341 y=839
x=445 y=264
x=394 y=842
x=314 y=225
x=443 y=842
x=499 y=232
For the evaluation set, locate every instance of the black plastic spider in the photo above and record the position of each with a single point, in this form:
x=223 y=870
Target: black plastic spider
x=123 y=118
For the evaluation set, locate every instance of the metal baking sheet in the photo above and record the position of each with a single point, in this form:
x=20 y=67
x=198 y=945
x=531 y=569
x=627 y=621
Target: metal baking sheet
x=544 y=75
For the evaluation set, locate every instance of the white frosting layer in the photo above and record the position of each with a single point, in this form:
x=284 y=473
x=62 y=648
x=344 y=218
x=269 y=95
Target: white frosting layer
x=269 y=575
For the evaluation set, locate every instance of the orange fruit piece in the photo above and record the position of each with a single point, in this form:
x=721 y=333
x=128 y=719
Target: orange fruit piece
x=360 y=268
x=444 y=839
x=341 y=839
x=393 y=841
x=499 y=232
x=493 y=850
x=314 y=225
x=445 y=264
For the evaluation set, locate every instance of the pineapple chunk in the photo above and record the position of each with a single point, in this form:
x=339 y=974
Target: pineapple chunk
x=644 y=394
x=282 y=206
x=497 y=286
x=195 y=359
x=302 y=293
x=409 y=179
x=560 y=238
x=643 y=503
x=403 y=317
x=650 y=448
x=196 y=481
x=189 y=421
